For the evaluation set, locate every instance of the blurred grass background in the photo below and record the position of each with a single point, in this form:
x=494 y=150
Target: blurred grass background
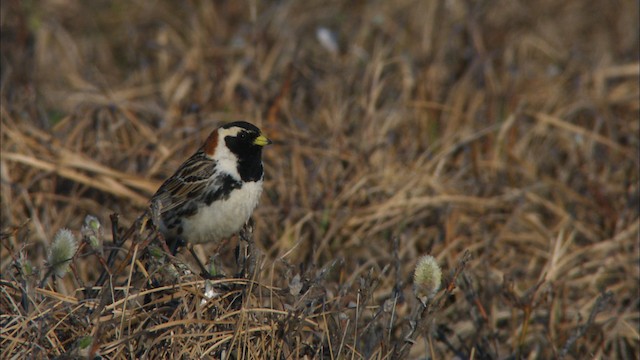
x=509 y=129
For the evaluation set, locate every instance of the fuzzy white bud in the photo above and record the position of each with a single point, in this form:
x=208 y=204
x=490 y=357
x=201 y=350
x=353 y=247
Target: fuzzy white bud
x=64 y=247
x=426 y=278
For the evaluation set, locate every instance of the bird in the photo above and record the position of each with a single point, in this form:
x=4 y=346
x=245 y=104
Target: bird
x=215 y=191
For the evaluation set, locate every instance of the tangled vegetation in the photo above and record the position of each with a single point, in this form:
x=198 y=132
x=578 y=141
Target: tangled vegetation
x=499 y=137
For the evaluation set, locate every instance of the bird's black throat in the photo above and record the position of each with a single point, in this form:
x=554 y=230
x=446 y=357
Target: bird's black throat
x=250 y=167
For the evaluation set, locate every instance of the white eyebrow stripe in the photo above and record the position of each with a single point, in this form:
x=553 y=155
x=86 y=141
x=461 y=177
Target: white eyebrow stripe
x=231 y=131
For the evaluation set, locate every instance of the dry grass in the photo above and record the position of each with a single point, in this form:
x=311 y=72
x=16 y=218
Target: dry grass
x=505 y=129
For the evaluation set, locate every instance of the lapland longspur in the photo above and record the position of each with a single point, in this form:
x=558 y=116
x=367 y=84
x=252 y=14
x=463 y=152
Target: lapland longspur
x=214 y=192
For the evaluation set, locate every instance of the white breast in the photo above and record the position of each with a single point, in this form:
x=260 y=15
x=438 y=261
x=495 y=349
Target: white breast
x=224 y=217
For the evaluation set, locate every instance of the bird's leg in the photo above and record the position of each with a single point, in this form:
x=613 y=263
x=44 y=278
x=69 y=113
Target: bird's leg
x=204 y=272
x=246 y=255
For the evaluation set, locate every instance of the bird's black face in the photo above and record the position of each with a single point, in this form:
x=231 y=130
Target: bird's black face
x=246 y=142
x=243 y=139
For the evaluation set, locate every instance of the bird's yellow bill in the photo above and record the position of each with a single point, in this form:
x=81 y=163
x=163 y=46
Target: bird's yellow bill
x=262 y=141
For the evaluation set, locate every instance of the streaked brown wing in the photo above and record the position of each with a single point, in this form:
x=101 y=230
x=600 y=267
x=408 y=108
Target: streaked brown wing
x=188 y=181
